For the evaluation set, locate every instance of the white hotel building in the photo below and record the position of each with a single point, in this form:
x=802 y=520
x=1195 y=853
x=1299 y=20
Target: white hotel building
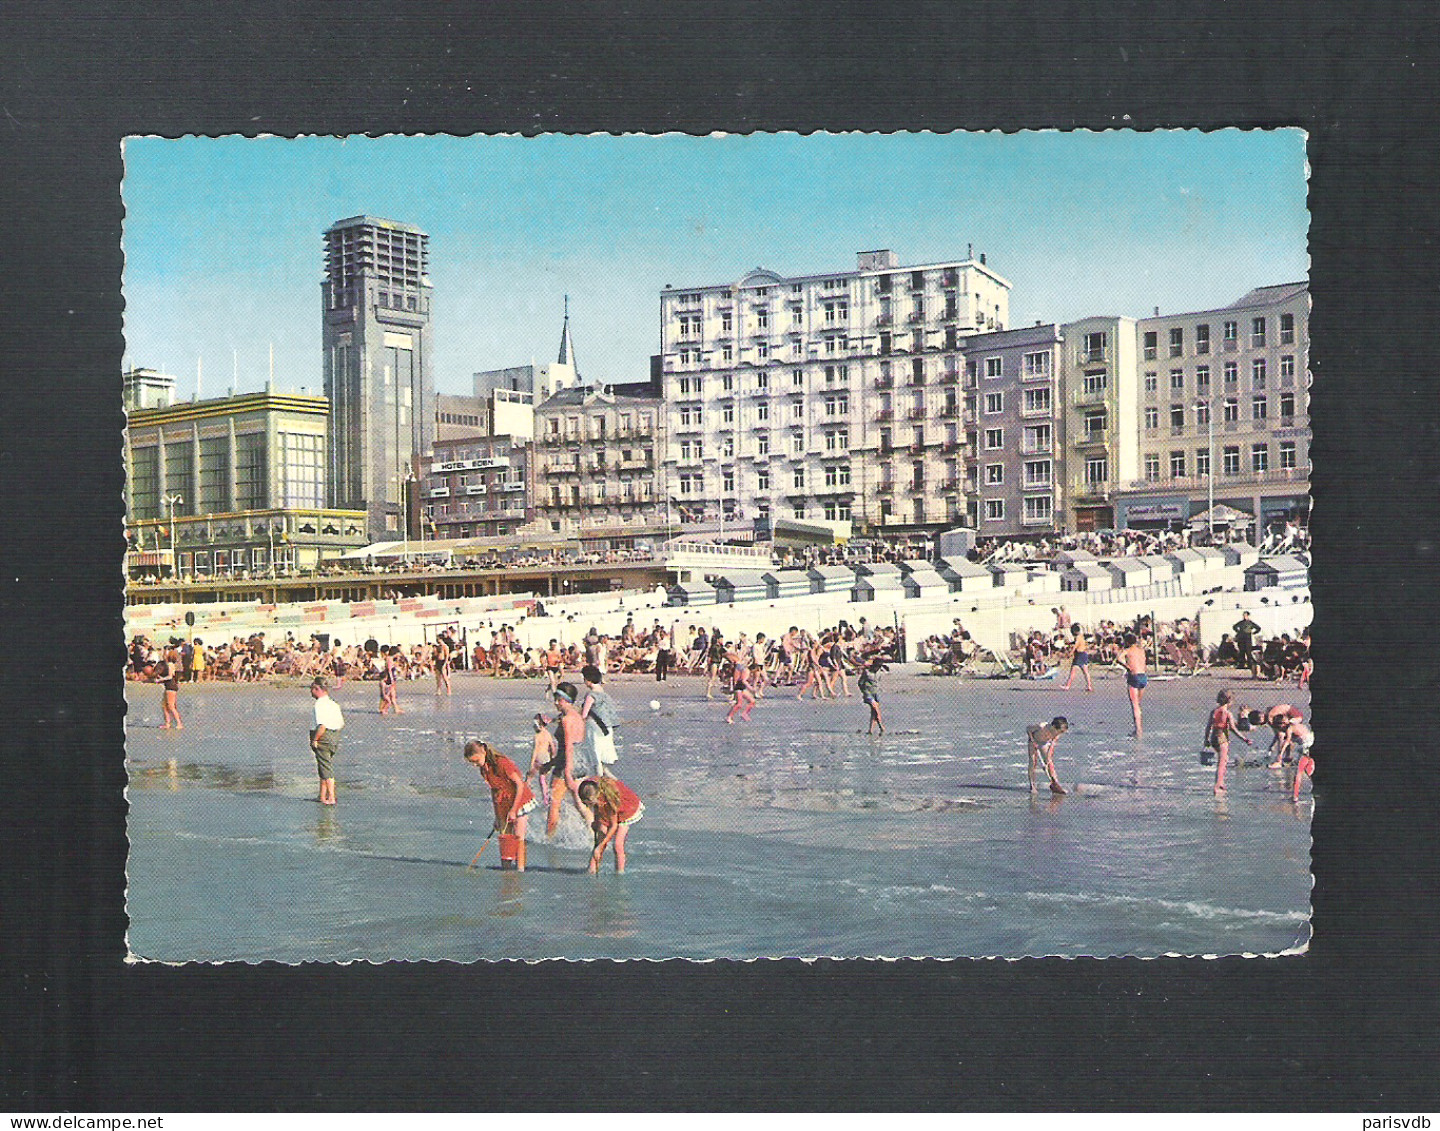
x=833 y=396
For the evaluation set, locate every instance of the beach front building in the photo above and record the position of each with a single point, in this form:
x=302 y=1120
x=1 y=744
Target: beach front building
x=830 y=396
x=235 y=486
x=1012 y=481
x=475 y=487
x=1224 y=398
x=597 y=473
x=376 y=343
x=1099 y=425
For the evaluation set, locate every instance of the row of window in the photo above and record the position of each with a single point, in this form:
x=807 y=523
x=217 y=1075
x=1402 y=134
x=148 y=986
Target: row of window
x=1230 y=333
x=1230 y=408
x=1259 y=373
x=1036 y=508
x=1230 y=460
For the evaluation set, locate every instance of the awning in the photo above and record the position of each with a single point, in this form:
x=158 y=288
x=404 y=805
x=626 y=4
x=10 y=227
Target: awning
x=1224 y=516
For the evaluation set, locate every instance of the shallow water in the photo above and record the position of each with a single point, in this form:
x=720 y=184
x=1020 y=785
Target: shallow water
x=792 y=835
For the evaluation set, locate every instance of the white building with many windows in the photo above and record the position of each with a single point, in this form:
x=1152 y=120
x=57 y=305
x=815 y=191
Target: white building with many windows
x=828 y=396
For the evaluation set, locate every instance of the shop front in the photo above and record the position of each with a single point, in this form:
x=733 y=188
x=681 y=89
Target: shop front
x=1154 y=514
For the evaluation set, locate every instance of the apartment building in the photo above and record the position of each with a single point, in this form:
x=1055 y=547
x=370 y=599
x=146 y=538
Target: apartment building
x=476 y=487
x=1099 y=436
x=596 y=461
x=1224 y=403
x=829 y=396
x=1012 y=481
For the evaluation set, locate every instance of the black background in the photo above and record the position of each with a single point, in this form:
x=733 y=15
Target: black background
x=1350 y=1026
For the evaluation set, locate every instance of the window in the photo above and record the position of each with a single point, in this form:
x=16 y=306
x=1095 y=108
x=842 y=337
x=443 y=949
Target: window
x=1287 y=407
x=727 y=447
x=727 y=383
x=1260 y=458
x=1152 y=381
x=1177 y=341
x=1230 y=460
x=994 y=439
x=685 y=450
x=1232 y=333
x=1095 y=344
x=1036 y=438
x=1037 y=364
x=798 y=510
x=1038 y=508
x=994 y=509
x=1257 y=373
x=1152 y=416
x=1232 y=410
x=762 y=412
x=762 y=444
x=762 y=479
x=994 y=367
x=1094 y=383
x=1177 y=416
x=762 y=351
x=1202 y=338
x=727 y=481
x=797 y=442
x=762 y=380
x=1150 y=345
x=1232 y=374
x=1257 y=408
x=302 y=460
x=797 y=410
x=1202 y=461
x=1097 y=471
x=917 y=371
x=1152 y=466
x=762 y=318
x=1177 y=380
x=1037 y=473
x=250 y=471
x=1037 y=400
x=1202 y=378
x=1287 y=368
x=727 y=322
x=1202 y=414
x=994 y=474
x=1177 y=465
x=727 y=414
x=1257 y=331
x=798 y=478
x=1287 y=329
x=995 y=402
x=797 y=378
x=1094 y=426
x=145 y=482
x=1287 y=455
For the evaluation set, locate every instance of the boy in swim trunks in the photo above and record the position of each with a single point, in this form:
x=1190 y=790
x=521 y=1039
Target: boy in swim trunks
x=1133 y=657
x=1079 y=658
x=869 y=684
x=1042 y=747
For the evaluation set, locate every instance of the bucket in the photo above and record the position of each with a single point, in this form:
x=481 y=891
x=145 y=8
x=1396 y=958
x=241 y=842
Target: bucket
x=509 y=852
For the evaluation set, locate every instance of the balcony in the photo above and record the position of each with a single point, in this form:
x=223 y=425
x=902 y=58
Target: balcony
x=1090 y=396
x=950 y=446
x=917 y=448
x=1092 y=357
x=1037 y=447
x=885 y=414
x=948 y=412
x=1037 y=519
x=1035 y=375
x=1032 y=412
x=1277 y=476
x=950 y=377
x=916 y=487
x=1092 y=438
x=885 y=383
x=886 y=487
x=968 y=418
x=915 y=317
x=883 y=320
x=916 y=414
x=949 y=486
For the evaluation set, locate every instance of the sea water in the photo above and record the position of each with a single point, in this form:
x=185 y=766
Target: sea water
x=794 y=834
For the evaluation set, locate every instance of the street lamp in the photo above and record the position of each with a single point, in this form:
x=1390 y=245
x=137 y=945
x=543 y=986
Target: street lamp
x=171 y=502
x=1210 y=461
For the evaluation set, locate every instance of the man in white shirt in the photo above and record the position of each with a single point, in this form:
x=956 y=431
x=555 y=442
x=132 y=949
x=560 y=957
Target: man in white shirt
x=325 y=737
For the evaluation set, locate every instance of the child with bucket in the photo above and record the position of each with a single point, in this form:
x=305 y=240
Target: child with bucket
x=512 y=798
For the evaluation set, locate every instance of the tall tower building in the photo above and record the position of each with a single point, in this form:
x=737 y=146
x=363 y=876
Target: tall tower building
x=378 y=376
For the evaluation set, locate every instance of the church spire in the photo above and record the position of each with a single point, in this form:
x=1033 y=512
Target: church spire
x=567 y=347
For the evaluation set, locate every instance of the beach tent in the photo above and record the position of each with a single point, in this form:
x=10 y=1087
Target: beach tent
x=831 y=579
x=868 y=587
x=739 y=585
x=786 y=583
x=1282 y=572
x=1086 y=577
x=924 y=583
x=1240 y=554
x=690 y=593
x=1127 y=573
x=964 y=576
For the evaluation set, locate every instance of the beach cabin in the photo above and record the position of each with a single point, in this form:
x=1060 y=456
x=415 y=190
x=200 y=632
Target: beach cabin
x=690 y=593
x=1085 y=577
x=1162 y=569
x=786 y=583
x=1282 y=572
x=1008 y=575
x=1211 y=562
x=1240 y=554
x=964 y=576
x=924 y=582
x=1127 y=573
x=739 y=585
x=1065 y=559
x=869 y=587
x=831 y=579
x=1185 y=561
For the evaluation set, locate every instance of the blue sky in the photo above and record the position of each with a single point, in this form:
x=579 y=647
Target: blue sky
x=223 y=237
